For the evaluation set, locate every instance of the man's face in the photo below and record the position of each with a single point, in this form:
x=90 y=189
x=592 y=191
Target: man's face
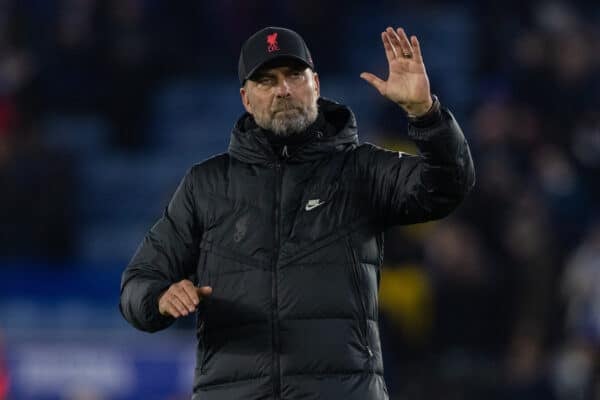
x=282 y=99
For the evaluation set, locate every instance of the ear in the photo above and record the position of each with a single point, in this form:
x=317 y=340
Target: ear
x=317 y=84
x=245 y=99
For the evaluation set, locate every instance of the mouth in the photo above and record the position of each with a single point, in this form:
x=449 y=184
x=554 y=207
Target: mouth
x=286 y=110
x=286 y=106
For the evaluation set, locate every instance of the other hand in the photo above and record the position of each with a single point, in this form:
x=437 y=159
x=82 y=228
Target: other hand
x=182 y=298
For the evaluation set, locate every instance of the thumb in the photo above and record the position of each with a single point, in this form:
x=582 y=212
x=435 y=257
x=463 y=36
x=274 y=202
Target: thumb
x=376 y=82
x=204 y=291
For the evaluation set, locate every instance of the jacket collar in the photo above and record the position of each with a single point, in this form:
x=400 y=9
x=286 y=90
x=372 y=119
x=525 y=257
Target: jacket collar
x=249 y=143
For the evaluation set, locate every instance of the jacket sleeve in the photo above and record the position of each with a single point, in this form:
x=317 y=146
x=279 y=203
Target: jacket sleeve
x=407 y=189
x=166 y=255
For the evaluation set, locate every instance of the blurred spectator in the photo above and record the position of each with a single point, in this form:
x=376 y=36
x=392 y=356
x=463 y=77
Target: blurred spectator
x=581 y=287
x=70 y=75
x=469 y=299
x=527 y=378
x=577 y=373
x=38 y=204
x=563 y=191
x=585 y=147
x=129 y=70
x=471 y=306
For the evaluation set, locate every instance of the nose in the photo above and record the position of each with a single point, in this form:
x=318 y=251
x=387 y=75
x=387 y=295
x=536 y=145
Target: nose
x=283 y=88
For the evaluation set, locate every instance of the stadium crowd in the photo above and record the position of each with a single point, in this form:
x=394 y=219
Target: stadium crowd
x=502 y=299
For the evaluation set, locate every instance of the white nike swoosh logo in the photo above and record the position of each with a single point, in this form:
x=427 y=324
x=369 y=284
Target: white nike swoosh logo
x=310 y=206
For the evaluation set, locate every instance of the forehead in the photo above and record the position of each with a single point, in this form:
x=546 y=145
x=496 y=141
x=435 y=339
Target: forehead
x=280 y=65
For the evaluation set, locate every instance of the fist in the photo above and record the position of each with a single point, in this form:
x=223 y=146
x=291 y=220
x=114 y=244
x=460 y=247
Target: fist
x=182 y=298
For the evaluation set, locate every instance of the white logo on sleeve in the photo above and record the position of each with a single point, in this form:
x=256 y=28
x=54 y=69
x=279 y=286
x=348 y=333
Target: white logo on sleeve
x=314 y=203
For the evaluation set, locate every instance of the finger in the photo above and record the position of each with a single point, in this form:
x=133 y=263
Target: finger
x=417 y=48
x=403 y=41
x=178 y=305
x=182 y=295
x=186 y=293
x=376 y=82
x=204 y=291
x=395 y=40
x=163 y=305
x=190 y=290
x=171 y=310
x=389 y=50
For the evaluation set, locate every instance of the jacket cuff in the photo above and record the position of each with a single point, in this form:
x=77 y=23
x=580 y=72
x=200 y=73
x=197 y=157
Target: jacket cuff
x=430 y=118
x=153 y=314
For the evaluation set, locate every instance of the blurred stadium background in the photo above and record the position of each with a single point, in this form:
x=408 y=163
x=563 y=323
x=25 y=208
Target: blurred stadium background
x=105 y=104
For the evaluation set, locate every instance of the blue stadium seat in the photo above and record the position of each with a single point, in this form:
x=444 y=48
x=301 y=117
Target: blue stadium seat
x=80 y=135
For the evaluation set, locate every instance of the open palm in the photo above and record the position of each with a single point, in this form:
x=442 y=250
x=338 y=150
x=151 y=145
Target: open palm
x=407 y=83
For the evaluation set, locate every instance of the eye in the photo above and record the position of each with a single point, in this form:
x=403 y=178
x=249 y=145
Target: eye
x=296 y=76
x=265 y=80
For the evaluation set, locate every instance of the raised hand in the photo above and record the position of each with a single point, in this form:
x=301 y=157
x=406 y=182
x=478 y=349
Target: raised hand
x=182 y=298
x=407 y=84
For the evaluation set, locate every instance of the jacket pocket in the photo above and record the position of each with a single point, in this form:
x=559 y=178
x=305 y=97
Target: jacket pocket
x=363 y=322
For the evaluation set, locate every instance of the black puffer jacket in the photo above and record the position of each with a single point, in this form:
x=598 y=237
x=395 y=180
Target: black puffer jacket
x=292 y=247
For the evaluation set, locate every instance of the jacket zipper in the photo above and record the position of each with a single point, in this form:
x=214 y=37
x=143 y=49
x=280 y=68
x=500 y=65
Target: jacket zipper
x=202 y=339
x=363 y=323
x=202 y=329
x=275 y=316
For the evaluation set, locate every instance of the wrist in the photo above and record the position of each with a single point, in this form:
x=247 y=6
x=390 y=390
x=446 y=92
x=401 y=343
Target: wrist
x=420 y=109
x=432 y=116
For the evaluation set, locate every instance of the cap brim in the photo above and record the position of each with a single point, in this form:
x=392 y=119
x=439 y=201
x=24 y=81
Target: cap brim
x=275 y=61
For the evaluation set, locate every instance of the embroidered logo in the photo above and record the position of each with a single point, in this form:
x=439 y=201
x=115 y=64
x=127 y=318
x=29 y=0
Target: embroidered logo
x=272 y=44
x=314 y=203
x=241 y=227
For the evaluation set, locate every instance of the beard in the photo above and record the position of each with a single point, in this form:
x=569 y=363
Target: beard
x=287 y=117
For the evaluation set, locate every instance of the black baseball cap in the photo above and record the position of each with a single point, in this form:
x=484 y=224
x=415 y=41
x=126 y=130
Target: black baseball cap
x=269 y=44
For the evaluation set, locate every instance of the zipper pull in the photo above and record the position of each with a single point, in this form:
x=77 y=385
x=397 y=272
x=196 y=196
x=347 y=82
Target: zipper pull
x=284 y=152
x=369 y=350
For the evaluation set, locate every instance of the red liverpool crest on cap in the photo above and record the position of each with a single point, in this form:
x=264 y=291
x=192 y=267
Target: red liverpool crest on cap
x=272 y=44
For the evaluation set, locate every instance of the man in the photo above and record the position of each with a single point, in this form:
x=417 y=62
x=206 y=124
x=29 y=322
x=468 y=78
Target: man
x=276 y=245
